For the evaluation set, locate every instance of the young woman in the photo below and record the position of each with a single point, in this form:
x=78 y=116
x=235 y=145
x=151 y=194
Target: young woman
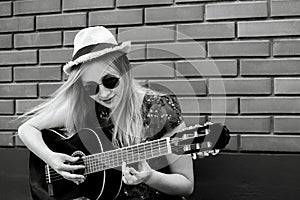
x=100 y=82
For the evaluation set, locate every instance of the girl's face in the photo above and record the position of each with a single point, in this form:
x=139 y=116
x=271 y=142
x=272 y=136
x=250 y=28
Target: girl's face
x=102 y=83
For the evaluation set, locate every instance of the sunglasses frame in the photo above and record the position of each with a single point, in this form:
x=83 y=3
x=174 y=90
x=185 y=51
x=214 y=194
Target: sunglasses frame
x=98 y=84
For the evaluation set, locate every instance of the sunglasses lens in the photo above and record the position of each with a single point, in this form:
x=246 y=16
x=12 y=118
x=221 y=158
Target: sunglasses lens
x=110 y=81
x=91 y=89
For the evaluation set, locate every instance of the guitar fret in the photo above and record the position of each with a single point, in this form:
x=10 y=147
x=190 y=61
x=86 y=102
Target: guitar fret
x=131 y=154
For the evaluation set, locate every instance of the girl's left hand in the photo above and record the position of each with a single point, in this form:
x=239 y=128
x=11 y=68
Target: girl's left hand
x=134 y=177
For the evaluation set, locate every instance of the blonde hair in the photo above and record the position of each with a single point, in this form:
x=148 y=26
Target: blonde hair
x=126 y=116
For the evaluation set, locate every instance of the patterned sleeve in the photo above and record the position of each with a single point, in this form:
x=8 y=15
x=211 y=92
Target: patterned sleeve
x=164 y=115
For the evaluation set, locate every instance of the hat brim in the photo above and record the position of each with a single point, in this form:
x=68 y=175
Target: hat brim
x=124 y=47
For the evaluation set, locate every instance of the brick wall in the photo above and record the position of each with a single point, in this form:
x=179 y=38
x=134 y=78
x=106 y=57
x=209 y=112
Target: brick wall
x=232 y=61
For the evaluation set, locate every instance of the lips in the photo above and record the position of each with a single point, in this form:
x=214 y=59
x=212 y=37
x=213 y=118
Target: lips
x=107 y=100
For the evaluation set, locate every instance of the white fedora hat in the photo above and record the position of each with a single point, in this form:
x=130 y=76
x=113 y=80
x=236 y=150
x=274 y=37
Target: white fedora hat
x=91 y=43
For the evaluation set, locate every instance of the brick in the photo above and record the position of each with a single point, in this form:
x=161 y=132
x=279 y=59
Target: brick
x=176 y=50
x=37 y=73
x=185 y=1
x=245 y=124
x=274 y=143
x=286 y=124
x=174 y=14
x=87 y=4
x=286 y=86
x=23 y=106
x=5 y=41
x=285 y=8
x=18 y=57
x=286 y=47
x=61 y=21
x=209 y=105
x=116 y=17
x=9 y=123
x=137 y=52
x=123 y=3
x=206 y=68
x=6 y=107
x=5 y=74
x=268 y=105
x=236 y=10
x=6 y=139
x=38 y=39
x=18 y=90
x=183 y=87
x=193 y=120
x=147 y=33
x=153 y=70
x=206 y=31
x=270 y=28
x=46 y=89
x=16 y=24
x=240 y=86
x=270 y=67
x=239 y=49
x=70 y=35
x=36 y=7
x=55 y=55
x=5 y=9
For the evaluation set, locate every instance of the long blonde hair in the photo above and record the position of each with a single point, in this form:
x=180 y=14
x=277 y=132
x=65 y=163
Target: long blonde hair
x=126 y=116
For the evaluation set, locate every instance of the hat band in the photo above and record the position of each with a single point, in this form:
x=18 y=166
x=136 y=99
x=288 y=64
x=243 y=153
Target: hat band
x=92 y=48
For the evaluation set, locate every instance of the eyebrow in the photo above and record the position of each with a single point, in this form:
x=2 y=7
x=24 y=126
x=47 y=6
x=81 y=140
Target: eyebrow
x=89 y=82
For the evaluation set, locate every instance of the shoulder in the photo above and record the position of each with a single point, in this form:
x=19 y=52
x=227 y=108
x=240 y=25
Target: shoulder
x=162 y=113
x=162 y=101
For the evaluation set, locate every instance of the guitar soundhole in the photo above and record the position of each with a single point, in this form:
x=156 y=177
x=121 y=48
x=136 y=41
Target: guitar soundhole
x=79 y=162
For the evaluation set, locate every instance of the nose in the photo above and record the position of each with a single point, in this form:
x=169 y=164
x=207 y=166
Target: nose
x=104 y=92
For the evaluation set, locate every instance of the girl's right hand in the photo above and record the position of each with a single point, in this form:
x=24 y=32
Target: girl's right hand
x=61 y=163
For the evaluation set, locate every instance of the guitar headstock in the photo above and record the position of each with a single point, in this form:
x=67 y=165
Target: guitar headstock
x=202 y=140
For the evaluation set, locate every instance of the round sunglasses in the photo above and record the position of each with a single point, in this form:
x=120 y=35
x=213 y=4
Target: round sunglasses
x=109 y=81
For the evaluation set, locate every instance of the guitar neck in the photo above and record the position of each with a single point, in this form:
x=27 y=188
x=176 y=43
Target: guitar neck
x=131 y=154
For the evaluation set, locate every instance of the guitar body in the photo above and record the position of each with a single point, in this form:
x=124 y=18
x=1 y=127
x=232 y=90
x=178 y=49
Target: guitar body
x=101 y=185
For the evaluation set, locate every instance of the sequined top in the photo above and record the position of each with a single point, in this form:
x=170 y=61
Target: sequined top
x=161 y=114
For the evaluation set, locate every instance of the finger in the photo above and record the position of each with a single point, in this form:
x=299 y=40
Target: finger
x=142 y=165
x=70 y=158
x=71 y=176
x=124 y=180
x=125 y=169
x=67 y=167
x=77 y=182
x=132 y=171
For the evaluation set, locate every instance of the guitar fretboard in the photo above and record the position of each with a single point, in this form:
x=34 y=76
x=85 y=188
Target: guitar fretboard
x=132 y=154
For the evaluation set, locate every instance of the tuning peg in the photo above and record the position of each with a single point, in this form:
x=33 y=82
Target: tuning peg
x=200 y=154
x=194 y=156
x=215 y=152
x=208 y=123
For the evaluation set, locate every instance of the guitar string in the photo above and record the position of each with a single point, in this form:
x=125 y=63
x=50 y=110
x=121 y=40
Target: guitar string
x=93 y=163
x=108 y=159
x=54 y=176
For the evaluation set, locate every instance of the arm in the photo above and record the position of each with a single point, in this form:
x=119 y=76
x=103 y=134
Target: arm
x=179 y=182
x=30 y=134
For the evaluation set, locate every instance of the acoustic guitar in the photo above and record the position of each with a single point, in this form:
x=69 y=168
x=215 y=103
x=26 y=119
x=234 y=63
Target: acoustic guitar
x=103 y=162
